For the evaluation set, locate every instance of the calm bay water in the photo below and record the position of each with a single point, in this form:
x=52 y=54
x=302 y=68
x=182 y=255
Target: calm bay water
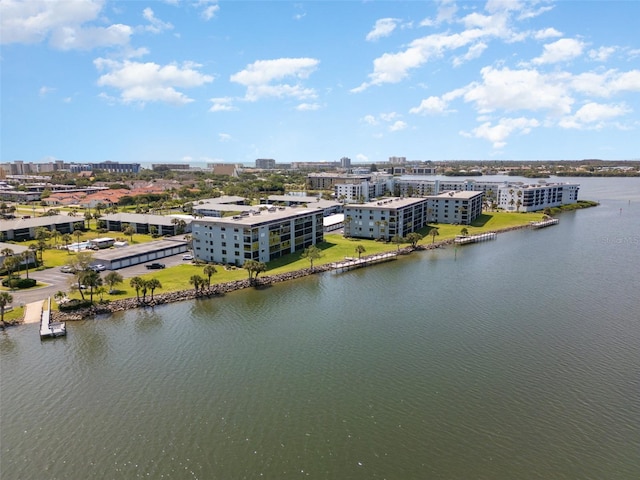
x=513 y=359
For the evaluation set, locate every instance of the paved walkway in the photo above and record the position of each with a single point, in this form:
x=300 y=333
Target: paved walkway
x=33 y=311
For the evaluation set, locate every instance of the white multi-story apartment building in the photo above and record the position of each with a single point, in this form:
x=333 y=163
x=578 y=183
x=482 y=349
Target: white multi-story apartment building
x=263 y=235
x=357 y=189
x=530 y=198
x=388 y=217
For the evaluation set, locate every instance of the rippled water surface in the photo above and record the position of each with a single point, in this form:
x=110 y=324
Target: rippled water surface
x=513 y=359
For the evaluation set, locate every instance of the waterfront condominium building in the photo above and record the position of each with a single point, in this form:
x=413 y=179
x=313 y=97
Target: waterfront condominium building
x=385 y=218
x=400 y=216
x=530 y=198
x=262 y=235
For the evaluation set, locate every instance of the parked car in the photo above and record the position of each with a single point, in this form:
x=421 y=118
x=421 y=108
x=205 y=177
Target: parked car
x=67 y=269
x=154 y=266
x=187 y=256
x=98 y=268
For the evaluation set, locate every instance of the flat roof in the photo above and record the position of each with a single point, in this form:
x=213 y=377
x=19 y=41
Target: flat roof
x=388 y=203
x=458 y=194
x=16 y=248
x=141 y=218
x=262 y=216
x=138 y=249
x=38 y=222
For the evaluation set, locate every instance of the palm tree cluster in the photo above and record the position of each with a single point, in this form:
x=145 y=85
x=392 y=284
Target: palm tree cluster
x=142 y=286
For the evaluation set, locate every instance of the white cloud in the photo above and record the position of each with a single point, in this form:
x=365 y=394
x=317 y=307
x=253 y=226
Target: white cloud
x=44 y=90
x=63 y=23
x=156 y=25
x=431 y=105
x=383 y=28
x=222 y=104
x=395 y=67
x=370 y=120
x=186 y=158
x=397 y=126
x=474 y=52
x=497 y=134
x=149 y=82
x=224 y=137
x=593 y=115
x=546 y=33
x=308 y=107
x=606 y=84
x=562 y=50
x=601 y=54
x=510 y=90
x=258 y=78
x=208 y=8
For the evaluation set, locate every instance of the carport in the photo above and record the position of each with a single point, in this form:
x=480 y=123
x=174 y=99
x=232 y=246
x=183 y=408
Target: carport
x=115 y=258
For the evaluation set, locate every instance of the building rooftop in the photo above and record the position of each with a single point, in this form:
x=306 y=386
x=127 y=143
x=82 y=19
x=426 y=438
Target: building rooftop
x=38 y=222
x=117 y=253
x=261 y=216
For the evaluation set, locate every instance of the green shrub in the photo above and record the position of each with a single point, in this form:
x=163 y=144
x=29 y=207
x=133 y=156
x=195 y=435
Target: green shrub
x=19 y=282
x=73 y=304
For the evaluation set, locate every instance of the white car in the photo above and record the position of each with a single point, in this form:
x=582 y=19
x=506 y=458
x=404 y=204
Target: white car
x=188 y=256
x=98 y=268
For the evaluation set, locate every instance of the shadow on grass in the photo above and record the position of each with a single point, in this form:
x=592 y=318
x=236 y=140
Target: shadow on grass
x=481 y=220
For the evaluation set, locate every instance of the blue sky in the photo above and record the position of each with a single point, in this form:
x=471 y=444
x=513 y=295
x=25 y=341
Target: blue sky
x=205 y=81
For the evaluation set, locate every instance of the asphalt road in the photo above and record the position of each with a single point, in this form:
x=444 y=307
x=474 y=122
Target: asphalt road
x=55 y=280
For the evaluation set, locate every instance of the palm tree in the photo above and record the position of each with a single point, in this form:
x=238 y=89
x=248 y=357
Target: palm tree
x=414 y=238
x=254 y=267
x=153 y=283
x=128 y=230
x=397 y=239
x=66 y=239
x=209 y=270
x=347 y=226
x=434 y=233
x=5 y=299
x=91 y=279
x=311 y=253
x=360 y=250
x=88 y=217
x=136 y=282
x=112 y=279
x=11 y=264
x=78 y=233
x=26 y=255
x=464 y=232
x=196 y=281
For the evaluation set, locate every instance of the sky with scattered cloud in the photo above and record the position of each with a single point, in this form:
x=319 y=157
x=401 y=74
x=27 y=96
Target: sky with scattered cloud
x=204 y=80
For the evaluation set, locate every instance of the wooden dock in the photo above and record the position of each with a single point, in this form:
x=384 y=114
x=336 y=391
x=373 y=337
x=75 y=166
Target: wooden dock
x=545 y=223
x=49 y=329
x=350 y=263
x=481 y=237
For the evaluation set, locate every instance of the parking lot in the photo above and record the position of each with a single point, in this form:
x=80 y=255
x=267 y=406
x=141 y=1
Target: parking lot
x=57 y=280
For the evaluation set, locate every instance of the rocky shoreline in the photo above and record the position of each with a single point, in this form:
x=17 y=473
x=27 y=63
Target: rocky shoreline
x=220 y=289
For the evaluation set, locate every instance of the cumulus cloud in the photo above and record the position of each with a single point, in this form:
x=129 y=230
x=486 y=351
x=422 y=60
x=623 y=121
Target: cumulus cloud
x=208 y=8
x=62 y=23
x=601 y=54
x=498 y=133
x=383 y=28
x=593 y=115
x=397 y=126
x=524 y=89
x=44 y=91
x=546 y=33
x=155 y=24
x=222 y=104
x=263 y=78
x=431 y=105
x=562 y=50
x=149 y=82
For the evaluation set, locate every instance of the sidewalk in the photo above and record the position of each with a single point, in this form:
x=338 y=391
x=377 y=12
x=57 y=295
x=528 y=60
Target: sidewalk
x=33 y=311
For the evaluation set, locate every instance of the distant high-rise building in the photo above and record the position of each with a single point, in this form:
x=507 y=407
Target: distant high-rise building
x=397 y=160
x=345 y=162
x=265 y=163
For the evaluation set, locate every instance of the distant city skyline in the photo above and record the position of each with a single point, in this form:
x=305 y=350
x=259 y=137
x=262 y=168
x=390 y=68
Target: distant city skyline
x=204 y=81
